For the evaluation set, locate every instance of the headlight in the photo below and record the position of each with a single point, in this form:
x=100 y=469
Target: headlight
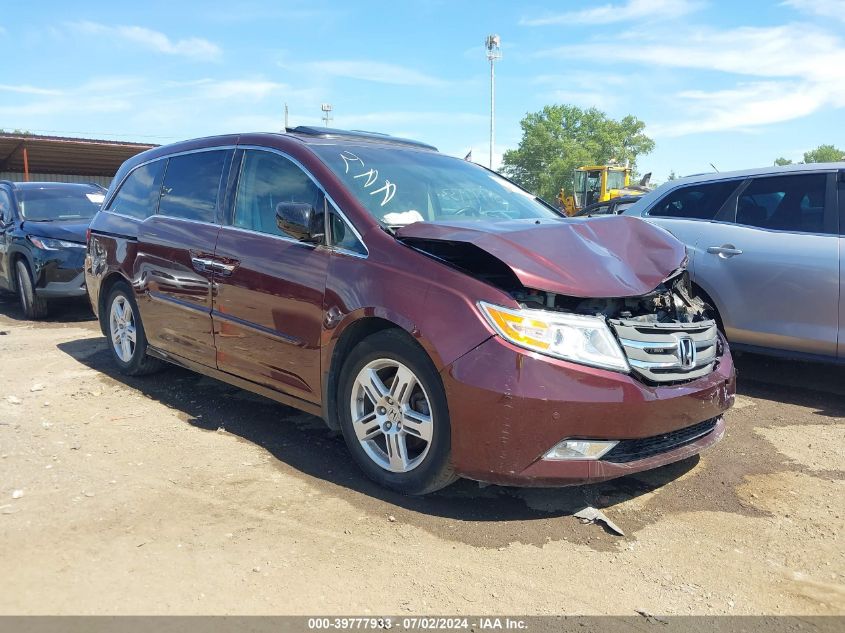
x=49 y=244
x=580 y=339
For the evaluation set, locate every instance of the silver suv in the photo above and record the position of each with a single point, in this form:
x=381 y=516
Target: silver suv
x=764 y=249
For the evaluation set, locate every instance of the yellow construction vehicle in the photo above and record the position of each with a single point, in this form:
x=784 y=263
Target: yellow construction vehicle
x=599 y=183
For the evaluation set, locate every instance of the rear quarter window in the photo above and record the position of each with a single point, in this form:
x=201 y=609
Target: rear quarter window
x=700 y=201
x=138 y=195
x=794 y=203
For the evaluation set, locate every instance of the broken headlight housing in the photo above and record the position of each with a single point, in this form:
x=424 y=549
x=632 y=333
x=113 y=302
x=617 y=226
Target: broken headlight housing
x=581 y=339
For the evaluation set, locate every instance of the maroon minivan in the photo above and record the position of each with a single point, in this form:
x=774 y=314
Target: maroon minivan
x=445 y=320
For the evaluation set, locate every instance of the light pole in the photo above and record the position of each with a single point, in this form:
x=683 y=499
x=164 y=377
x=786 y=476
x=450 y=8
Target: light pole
x=327 y=113
x=494 y=54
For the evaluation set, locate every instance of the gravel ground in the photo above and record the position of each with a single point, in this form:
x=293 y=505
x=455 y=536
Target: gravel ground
x=177 y=494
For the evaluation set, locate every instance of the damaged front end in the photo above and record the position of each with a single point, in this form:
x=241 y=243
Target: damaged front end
x=666 y=336
x=654 y=328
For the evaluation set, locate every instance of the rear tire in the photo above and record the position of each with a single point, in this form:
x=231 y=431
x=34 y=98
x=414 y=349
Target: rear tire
x=34 y=307
x=394 y=415
x=125 y=332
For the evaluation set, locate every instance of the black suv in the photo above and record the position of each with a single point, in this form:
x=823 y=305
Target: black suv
x=42 y=240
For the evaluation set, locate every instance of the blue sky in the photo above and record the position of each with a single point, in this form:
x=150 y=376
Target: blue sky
x=735 y=84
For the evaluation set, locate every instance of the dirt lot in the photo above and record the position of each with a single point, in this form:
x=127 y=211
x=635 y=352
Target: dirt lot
x=179 y=494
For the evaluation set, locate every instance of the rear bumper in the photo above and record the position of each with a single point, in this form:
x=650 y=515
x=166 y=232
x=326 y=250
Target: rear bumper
x=509 y=407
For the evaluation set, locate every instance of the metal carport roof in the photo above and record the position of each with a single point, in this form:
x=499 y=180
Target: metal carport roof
x=63 y=155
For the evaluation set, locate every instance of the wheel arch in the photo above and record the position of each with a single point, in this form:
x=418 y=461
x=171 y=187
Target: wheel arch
x=15 y=255
x=106 y=286
x=705 y=296
x=346 y=340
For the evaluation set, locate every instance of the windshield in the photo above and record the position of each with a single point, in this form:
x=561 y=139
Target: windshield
x=615 y=179
x=401 y=186
x=59 y=203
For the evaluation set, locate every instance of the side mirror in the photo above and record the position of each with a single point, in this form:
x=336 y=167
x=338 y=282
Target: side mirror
x=300 y=220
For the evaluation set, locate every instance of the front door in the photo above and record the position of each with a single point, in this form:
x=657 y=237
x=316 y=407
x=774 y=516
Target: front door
x=773 y=267
x=175 y=265
x=6 y=227
x=268 y=305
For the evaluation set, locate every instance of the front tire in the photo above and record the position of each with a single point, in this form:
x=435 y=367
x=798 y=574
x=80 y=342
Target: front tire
x=34 y=307
x=394 y=415
x=127 y=340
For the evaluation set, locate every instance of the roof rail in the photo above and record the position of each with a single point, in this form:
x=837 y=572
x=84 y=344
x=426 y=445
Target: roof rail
x=378 y=137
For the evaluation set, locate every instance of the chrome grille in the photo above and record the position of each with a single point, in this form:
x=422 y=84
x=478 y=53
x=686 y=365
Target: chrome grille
x=669 y=352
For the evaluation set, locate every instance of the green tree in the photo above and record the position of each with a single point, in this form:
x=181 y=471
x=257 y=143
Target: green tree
x=824 y=154
x=560 y=138
x=672 y=176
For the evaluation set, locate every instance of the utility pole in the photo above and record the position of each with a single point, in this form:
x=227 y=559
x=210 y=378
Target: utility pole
x=286 y=116
x=494 y=54
x=327 y=113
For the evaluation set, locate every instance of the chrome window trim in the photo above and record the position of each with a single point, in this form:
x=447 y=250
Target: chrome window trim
x=274 y=236
x=110 y=199
x=284 y=238
x=316 y=182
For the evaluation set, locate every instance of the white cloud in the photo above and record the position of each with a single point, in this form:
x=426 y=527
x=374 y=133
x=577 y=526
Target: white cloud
x=368 y=70
x=614 y=13
x=742 y=107
x=27 y=89
x=191 y=47
x=824 y=8
x=795 y=70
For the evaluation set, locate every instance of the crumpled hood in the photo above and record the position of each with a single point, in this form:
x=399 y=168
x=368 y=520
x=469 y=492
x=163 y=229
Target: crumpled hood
x=69 y=230
x=617 y=256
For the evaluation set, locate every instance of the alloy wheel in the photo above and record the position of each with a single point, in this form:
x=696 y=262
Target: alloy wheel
x=122 y=328
x=391 y=415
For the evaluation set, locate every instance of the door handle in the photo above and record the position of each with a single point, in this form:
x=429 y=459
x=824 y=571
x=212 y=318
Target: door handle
x=728 y=250
x=206 y=265
x=202 y=265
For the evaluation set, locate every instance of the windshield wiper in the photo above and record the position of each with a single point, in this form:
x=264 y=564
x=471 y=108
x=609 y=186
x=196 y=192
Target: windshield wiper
x=44 y=220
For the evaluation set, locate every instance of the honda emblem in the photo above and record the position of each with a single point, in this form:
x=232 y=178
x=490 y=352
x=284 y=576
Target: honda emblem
x=686 y=352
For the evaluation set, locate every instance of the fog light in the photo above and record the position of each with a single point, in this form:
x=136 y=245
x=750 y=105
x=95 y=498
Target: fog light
x=579 y=449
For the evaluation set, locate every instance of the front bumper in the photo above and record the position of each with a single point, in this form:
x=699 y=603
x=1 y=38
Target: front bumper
x=508 y=407
x=59 y=273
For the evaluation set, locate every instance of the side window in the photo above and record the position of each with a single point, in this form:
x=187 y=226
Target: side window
x=784 y=203
x=266 y=180
x=5 y=207
x=699 y=201
x=841 y=194
x=191 y=186
x=342 y=235
x=138 y=196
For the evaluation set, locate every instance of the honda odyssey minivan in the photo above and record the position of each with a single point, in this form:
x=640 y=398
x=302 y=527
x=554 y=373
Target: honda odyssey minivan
x=446 y=321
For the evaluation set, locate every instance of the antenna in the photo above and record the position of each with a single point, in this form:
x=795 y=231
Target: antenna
x=327 y=113
x=494 y=54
